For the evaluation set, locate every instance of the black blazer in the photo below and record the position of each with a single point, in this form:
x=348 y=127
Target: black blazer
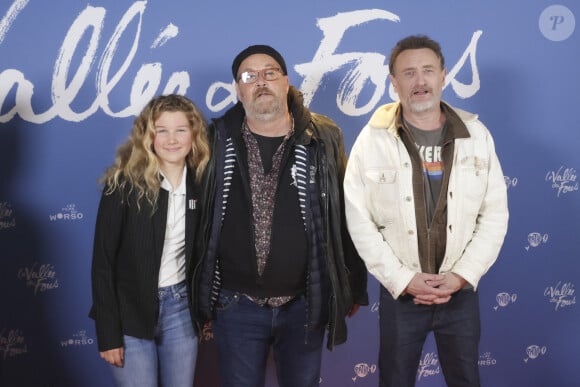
x=127 y=252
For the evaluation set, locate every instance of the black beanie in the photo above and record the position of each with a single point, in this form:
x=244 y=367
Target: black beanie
x=258 y=49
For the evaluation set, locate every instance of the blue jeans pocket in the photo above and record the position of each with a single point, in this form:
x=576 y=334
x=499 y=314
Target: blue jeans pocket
x=182 y=292
x=227 y=299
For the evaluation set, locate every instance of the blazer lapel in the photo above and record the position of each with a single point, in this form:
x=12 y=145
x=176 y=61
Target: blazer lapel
x=159 y=220
x=191 y=210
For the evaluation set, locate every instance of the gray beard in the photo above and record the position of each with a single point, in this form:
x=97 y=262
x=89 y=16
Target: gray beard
x=267 y=113
x=420 y=107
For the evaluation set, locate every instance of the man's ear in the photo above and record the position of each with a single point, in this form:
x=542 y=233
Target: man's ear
x=393 y=82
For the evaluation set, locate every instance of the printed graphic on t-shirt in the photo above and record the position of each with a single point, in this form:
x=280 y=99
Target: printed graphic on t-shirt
x=432 y=164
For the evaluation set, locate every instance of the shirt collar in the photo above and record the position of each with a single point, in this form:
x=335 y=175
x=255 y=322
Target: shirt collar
x=180 y=189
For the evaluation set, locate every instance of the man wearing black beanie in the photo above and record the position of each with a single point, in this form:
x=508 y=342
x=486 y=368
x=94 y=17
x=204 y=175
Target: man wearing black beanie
x=279 y=267
x=258 y=49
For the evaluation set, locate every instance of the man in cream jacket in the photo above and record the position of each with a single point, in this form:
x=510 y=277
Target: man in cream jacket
x=426 y=206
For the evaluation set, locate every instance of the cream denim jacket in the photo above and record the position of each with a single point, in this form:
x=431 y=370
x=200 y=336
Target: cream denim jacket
x=380 y=208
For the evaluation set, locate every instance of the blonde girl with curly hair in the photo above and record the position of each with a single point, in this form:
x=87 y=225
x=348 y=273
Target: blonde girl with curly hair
x=143 y=255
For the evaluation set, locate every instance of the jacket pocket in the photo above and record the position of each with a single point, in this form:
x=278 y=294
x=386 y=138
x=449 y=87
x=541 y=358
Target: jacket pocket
x=381 y=176
x=383 y=191
x=472 y=178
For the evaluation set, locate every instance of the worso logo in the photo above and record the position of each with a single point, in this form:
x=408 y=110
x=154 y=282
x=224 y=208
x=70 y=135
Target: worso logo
x=67 y=213
x=486 y=359
x=78 y=339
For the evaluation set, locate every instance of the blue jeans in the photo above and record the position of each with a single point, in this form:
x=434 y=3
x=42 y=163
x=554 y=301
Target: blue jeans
x=244 y=332
x=169 y=359
x=404 y=327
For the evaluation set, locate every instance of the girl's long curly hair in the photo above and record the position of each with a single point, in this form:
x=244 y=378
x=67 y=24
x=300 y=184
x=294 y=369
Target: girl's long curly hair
x=136 y=167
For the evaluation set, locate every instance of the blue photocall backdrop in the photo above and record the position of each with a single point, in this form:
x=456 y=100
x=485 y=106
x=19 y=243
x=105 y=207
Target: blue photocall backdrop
x=74 y=74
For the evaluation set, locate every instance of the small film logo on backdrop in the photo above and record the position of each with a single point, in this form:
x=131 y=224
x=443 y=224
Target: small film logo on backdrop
x=428 y=366
x=40 y=277
x=12 y=343
x=536 y=239
x=562 y=295
x=503 y=299
x=486 y=359
x=67 y=213
x=7 y=217
x=535 y=351
x=362 y=370
x=563 y=180
x=510 y=182
x=78 y=339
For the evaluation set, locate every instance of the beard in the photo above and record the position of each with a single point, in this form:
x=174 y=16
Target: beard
x=421 y=107
x=265 y=109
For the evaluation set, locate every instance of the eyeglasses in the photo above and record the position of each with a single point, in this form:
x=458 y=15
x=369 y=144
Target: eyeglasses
x=270 y=74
